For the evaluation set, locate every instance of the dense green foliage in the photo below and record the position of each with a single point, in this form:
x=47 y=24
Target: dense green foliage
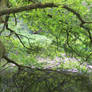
x=56 y=38
x=58 y=29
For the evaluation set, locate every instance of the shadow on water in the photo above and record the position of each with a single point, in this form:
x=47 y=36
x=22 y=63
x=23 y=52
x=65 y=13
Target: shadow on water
x=31 y=80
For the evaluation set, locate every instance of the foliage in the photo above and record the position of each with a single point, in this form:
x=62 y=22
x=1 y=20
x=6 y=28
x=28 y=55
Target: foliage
x=37 y=42
x=47 y=34
x=60 y=25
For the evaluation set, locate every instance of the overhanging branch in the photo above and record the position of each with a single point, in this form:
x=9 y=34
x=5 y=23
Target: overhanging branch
x=26 y=8
x=41 y=6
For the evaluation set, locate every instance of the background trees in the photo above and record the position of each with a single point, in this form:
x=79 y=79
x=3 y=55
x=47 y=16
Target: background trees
x=42 y=35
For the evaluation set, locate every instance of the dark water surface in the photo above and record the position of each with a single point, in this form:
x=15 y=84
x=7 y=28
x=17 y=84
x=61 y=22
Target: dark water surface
x=33 y=80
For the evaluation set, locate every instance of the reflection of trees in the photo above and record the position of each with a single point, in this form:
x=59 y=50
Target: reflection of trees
x=44 y=81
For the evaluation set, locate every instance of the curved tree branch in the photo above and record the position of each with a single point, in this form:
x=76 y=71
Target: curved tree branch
x=41 y=6
x=26 y=8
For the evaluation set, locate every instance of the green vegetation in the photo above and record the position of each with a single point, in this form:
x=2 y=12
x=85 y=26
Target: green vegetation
x=52 y=34
x=59 y=32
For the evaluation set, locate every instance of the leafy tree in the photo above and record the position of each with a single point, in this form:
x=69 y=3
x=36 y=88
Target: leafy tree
x=45 y=28
x=66 y=22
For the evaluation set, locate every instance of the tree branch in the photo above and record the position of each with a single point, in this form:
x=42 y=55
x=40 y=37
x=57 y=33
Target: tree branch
x=26 y=8
x=41 y=6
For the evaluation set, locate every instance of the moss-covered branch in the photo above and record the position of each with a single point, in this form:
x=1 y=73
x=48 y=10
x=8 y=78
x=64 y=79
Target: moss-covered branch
x=26 y=8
